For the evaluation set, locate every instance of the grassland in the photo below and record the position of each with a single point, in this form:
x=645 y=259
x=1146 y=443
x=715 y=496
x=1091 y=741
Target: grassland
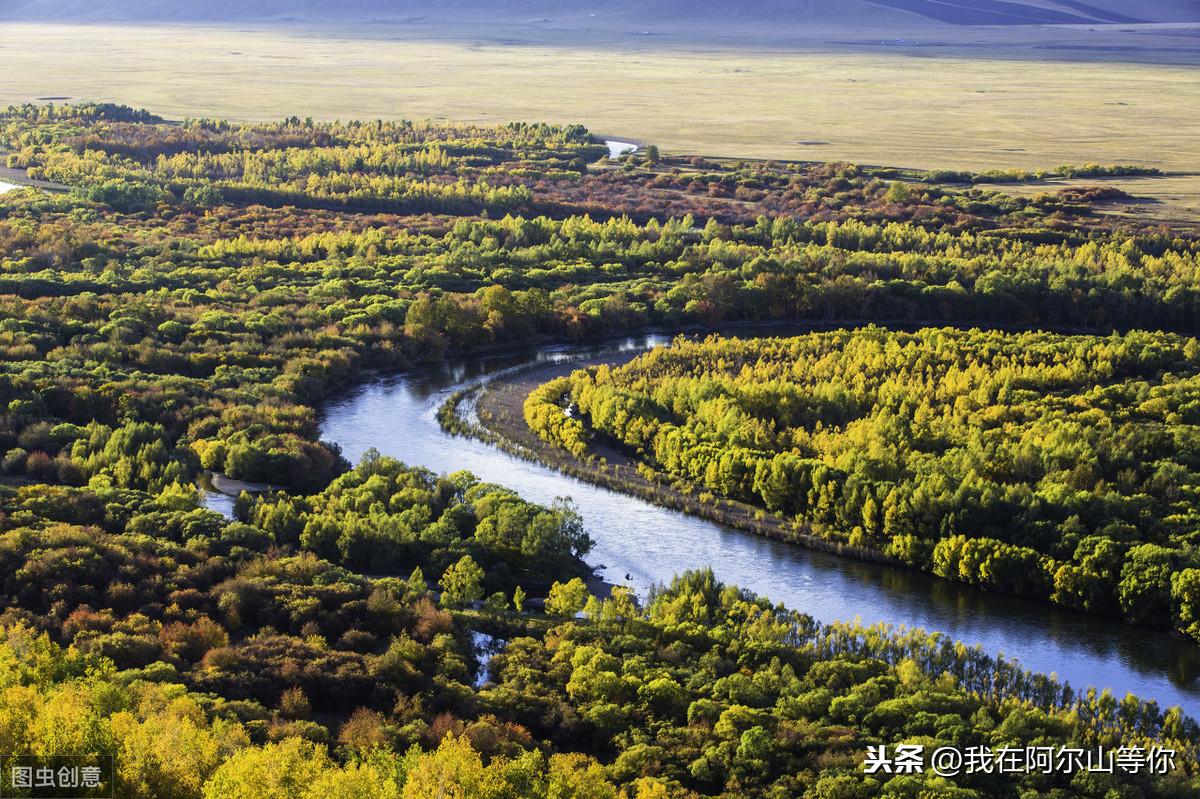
x=1170 y=199
x=966 y=113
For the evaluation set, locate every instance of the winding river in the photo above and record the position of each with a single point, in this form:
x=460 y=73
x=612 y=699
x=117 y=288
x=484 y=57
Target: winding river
x=639 y=544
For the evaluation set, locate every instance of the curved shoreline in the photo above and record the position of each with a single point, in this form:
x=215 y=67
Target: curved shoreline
x=654 y=542
x=19 y=178
x=498 y=407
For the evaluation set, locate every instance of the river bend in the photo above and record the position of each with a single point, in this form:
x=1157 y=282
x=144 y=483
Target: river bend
x=640 y=544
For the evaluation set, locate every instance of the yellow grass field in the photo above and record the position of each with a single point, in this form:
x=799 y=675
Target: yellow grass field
x=904 y=110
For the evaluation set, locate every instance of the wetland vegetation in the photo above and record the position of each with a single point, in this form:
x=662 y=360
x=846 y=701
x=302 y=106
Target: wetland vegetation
x=205 y=284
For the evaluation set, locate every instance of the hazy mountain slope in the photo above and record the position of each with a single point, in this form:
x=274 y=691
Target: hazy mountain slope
x=819 y=13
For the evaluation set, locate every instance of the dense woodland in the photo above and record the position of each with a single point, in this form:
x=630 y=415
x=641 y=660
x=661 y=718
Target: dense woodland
x=198 y=287
x=1060 y=467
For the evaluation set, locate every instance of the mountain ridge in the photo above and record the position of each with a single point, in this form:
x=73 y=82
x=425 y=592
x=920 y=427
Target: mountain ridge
x=947 y=13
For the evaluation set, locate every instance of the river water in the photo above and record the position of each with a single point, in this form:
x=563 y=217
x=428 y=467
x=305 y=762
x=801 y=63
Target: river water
x=617 y=149
x=4 y=187
x=639 y=544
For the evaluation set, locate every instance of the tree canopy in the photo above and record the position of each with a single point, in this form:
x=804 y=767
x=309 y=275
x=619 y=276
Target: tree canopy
x=195 y=289
x=1061 y=467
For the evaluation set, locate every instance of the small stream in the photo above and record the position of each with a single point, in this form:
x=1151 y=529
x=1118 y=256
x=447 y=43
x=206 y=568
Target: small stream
x=486 y=647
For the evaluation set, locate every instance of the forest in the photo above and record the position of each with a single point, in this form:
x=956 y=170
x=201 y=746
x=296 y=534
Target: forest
x=1060 y=467
x=197 y=288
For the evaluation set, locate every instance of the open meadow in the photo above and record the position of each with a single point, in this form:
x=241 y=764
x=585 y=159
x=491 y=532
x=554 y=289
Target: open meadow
x=904 y=110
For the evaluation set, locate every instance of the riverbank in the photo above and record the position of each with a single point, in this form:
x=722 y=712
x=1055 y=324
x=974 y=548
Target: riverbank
x=232 y=488
x=498 y=409
x=13 y=178
x=640 y=544
x=498 y=406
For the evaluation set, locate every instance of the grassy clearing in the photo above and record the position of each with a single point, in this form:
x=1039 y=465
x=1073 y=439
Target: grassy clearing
x=869 y=108
x=1170 y=199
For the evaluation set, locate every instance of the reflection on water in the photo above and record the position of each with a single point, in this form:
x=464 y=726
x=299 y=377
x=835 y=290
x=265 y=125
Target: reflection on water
x=486 y=647
x=396 y=415
x=616 y=149
x=7 y=187
x=213 y=499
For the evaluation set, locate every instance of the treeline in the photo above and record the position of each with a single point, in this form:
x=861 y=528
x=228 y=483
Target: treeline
x=1026 y=176
x=132 y=161
x=128 y=335
x=1058 y=467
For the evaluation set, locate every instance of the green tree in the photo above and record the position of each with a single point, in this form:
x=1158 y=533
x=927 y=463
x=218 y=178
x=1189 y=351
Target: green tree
x=567 y=599
x=1145 y=587
x=1185 y=594
x=462 y=583
x=284 y=770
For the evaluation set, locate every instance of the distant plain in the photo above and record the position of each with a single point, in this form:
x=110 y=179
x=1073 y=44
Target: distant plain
x=867 y=106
